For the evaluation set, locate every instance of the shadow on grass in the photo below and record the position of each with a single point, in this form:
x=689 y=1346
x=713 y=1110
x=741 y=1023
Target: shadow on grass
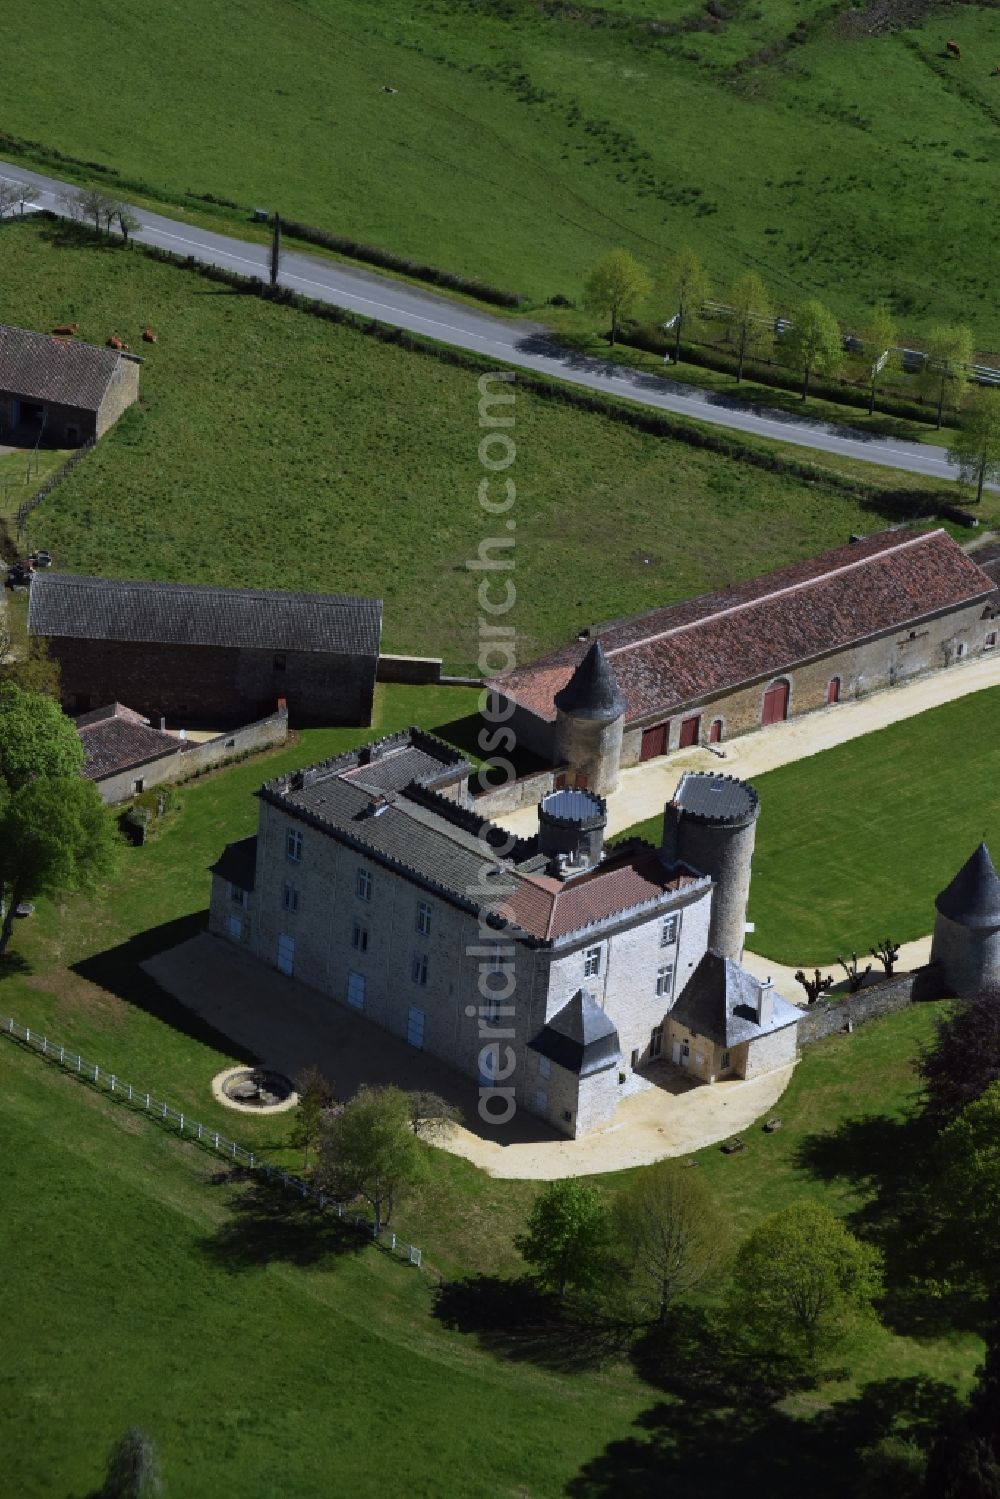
x=269 y=1225
x=691 y=1451
x=13 y=965
x=514 y=1319
x=891 y=1161
x=118 y=970
x=464 y=734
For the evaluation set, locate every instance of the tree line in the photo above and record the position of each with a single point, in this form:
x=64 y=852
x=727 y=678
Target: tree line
x=619 y=286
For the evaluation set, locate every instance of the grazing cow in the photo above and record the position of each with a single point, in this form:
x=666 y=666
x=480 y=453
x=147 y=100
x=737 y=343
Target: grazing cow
x=995 y=71
x=65 y=330
x=953 y=49
x=149 y=336
x=114 y=342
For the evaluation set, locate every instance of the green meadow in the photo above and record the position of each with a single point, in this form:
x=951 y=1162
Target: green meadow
x=518 y=141
x=272 y=449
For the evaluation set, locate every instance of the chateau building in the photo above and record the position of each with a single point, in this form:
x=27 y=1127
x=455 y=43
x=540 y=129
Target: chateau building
x=556 y=973
x=870 y=614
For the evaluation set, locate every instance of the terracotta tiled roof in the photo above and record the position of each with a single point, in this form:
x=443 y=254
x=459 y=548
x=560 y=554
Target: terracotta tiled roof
x=550 y=908
x=753 y=630
x=115 y=738
x=42 y=368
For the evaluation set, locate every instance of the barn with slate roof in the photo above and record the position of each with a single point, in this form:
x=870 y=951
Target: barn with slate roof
x=870 y=614
x=200 y=654
x=59 y=392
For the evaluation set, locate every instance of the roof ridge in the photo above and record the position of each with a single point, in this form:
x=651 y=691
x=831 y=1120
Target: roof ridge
x=775 y=593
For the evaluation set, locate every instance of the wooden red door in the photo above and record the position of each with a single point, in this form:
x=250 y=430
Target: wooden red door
x=715 y=731
x=775 y=703
x=689 y=731
x=833 y=690
x=654 y=741
x=580 y=781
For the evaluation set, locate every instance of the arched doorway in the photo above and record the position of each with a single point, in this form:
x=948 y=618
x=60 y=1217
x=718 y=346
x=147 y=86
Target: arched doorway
x=775 y=709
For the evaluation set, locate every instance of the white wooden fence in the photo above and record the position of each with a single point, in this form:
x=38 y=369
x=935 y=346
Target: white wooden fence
x=191 y=1129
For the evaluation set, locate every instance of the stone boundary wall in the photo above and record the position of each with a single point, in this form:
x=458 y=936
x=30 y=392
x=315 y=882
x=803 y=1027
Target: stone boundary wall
x=417 y=670
x=526 y=792
x=169 y=769
x=831 y=1016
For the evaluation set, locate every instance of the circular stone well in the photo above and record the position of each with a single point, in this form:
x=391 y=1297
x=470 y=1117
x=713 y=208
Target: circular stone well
x=254 y=1090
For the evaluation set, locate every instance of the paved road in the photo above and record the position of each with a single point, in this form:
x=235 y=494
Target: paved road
x=526 y=345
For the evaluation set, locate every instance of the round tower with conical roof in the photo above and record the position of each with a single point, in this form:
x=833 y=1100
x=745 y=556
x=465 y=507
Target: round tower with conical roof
x=590 y=722
x=967 y=929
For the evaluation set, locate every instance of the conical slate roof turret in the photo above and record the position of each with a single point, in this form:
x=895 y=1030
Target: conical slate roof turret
x=973 y=897
x=592 y=691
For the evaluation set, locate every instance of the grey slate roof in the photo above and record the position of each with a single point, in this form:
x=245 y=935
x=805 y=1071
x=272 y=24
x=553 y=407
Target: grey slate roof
x=719 y=1002
x=973 y=897
x=714 y=798
x=238 y=863
x=42 y=368
x=592 y=691
x=65 y=604
x=580 y=1037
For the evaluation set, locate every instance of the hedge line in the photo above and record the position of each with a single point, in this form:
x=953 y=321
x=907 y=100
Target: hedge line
x=903 y=503
x=390 y=261
x=654 y=341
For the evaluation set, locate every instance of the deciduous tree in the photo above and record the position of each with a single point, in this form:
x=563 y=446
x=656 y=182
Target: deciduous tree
x=568 y=1237
x=968 y=1163
x=369 y=1150
x=814 y=344
x=878 y=354
x=949 y=354
x=616 y=285
x=36 y=737
x=976 y=445
x=751 y=317
x=800 y=1277
x=56 y=836
x=687 y=285
x=315 y=1097
x=670 y=1235
x=128 y=222
x=431 y=1115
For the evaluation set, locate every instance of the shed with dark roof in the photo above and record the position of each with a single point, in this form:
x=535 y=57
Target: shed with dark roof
x=60 y=392
x=206 y=654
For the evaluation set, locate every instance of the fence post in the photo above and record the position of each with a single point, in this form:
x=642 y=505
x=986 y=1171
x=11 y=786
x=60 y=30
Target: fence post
x=97 y=1073
x=182 y=1123
x=112 y=1082
x=147 y=1101
x=45 y=1047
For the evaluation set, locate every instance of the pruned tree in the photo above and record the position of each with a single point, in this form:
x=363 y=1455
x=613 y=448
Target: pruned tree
x=8 y=198
x=670 y=1235
x=687 y=286
x=25 y=192
x=36 y=738
x=751 y=317
x=133 y=1469
x=567 y=1240
x=315 y=1097
x=964 y=1058
x=801 y=1278
x=975 y=447
x=814 y=343
x=128 y=222
x=815 y=986
x=878 y=353
x=56 y=836
x=950 y=352
x=431 y=1115
x=274 y=261
x=854 y=978
x=887 y=952
x=615 y=286
x=369 y=1150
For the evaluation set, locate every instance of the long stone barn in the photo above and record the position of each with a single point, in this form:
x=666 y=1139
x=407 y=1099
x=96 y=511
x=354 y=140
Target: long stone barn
x=60 y=393
x=878 y=611
x=209 y=655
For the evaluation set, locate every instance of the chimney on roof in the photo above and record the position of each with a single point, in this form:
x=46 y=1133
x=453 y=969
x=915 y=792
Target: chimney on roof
x=765 y=1002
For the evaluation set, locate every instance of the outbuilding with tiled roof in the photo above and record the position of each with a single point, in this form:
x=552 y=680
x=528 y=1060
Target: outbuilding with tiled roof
x=61 y=392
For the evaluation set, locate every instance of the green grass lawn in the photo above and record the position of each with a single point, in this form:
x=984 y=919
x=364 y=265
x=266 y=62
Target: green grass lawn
x=143 y=1287
x=853 y=844
x=523 y=142
x=21 y=475
x=273 y=449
